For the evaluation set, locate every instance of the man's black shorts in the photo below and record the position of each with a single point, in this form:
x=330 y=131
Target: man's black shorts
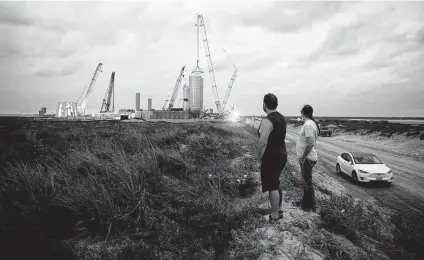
x=270 y=173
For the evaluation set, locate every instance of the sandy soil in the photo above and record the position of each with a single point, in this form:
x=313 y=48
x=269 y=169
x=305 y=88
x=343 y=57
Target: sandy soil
x=397 y=144
x=292 y=236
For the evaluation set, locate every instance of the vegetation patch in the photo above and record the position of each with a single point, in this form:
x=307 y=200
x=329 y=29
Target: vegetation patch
x=91 y=190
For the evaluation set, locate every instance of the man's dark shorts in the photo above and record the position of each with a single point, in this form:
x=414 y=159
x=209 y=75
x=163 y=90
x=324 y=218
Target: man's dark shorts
x=270 y=173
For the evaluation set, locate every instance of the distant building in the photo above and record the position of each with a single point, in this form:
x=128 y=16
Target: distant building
x=43 y=111
x=137 y=102
x=149 y=104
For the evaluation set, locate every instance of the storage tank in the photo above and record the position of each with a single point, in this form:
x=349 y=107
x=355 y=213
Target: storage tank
x=137 y=102
x=66 y=109
x=186 y=105
x=149 y=104
x=195 y=90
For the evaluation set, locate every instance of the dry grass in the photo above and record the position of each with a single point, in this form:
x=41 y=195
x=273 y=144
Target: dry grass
x=380 y=236
x=109 y=190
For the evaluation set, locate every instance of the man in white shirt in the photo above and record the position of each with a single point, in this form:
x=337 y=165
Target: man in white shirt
x=307 y=156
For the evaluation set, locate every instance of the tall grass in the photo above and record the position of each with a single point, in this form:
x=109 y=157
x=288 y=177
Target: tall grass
x=397 y=236
x=160 y=191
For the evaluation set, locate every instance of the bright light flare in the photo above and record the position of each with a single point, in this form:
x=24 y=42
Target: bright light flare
x=234 y=117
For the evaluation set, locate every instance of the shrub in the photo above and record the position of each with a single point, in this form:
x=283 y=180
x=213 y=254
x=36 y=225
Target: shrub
x=121 y=182
x=342 y=215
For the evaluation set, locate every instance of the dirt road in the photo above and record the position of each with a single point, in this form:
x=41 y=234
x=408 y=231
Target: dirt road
x=406 y=194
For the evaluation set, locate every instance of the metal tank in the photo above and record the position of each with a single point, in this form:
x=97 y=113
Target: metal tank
x=195 y=91
x=66 y=109
x=137 y=102
x=149 y=106
x=186 y=105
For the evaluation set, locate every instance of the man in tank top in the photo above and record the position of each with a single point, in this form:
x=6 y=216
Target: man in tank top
x=271 y=151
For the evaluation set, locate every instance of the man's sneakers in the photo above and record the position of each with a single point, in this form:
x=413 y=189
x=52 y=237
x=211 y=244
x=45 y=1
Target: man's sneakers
x=280 y=214
x=300 y=205
x=275 y=220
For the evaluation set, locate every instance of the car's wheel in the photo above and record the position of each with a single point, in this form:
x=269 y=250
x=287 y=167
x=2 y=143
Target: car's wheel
x=355 y=178
x=338 y=170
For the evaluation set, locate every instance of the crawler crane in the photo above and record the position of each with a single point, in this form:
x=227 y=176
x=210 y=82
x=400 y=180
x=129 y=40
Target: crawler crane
x=83 y=98
x=108 y=96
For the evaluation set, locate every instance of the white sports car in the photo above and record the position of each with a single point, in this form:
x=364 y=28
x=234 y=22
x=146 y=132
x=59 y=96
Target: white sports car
x=363 y=167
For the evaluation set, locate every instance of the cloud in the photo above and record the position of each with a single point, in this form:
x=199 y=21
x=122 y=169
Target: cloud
x=340 y=41
x=56 y=71
x=11 y=14
x=327 y=54
x=419 y=36
x=284 y=17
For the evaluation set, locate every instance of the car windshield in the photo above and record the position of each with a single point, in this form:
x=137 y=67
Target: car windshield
x=367 y=159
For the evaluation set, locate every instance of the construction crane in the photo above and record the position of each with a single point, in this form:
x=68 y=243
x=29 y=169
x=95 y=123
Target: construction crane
x=201 y=23
x=176 y=88
x=179 y=102
x=109 y=93
x=83 y=98
x=230 y=85
x=164 y=105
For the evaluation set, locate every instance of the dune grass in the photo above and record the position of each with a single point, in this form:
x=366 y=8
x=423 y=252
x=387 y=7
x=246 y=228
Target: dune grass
x=122 y=191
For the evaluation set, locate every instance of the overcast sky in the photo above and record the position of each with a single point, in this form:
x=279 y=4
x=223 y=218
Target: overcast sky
x=343 y=58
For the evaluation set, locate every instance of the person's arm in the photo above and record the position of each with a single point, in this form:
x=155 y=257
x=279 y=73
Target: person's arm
x=310 y=141
x=264 y=131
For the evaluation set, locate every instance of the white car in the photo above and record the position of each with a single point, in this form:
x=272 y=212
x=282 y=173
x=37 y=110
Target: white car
x=363 y=167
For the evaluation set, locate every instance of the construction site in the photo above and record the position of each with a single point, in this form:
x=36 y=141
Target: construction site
x=190 y=106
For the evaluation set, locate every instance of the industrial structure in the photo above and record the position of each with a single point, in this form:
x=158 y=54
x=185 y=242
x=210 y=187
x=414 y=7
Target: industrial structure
x=195 y=90
x=110 y=92
x=137 y=102
x=66 y=109
x=201 y=23
x=83 y=98
x=190 y=105
x=186 y=104
x=193 y=94
x=42 y=111
x=175 y=91
x=74 y=109
x=230 y=86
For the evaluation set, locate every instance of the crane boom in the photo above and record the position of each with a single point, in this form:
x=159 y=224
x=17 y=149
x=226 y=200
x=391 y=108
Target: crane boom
x=230 y=85
x=176 y=88
x=83 y=98
x=224 y=104
x=200 y=23
x=109 y=92
x=164 y=105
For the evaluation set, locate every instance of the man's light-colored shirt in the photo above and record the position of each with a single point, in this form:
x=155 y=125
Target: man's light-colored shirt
x=309 y=129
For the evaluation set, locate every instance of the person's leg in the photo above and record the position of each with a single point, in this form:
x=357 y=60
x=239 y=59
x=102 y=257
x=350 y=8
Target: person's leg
x=280 y=201
x=312 y=165
x=280 y=192
x=308 y=200
x=274 y=198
